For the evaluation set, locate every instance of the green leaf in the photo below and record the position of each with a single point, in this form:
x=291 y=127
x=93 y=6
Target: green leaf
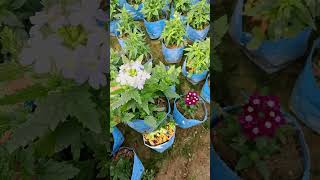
x=53 y=170
x=243 y=163
x=263 y=169
x=45 y=146
x=258 y=37
x=151 y=121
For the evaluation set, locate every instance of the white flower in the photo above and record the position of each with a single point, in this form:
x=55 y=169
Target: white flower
x=132 y=74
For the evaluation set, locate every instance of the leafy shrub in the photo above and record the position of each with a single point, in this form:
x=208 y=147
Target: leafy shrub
x=276 y=19
x=126 y=23
x=135 y=45
x=182 y=6
x=199 y=15
x=153 y=10
x=174 y=32
x=113 y=8
x=198 y=56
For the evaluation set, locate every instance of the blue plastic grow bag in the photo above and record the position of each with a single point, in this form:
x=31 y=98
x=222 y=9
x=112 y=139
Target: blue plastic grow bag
x=220 y=170
x=182 y=18
x=182 y=121
x=136 y=13
x=117 y=139
x=141 y=127
x=138 y=168
x=305 y=98
x=195 y=78
x=121 y=3
x=114 y=27
x=271 y=56
x=172 y=55
x=121 y=42
x=205 y=91
x=199 y=35
x=154 y=29
x=162 y=147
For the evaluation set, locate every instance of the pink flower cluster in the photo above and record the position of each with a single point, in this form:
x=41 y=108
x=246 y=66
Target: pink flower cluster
x=261 y=116
x=191 y=98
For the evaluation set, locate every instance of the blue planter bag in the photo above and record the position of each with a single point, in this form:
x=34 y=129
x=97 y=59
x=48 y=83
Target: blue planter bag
x=220 y=170
x=271 y=56
x=117 y=139
x=121 y=3
x=154 y=29
x=205 y=91
x=141 y=127
x=114 y=27
x=195 y=78
x=182 y=121
x=136 y=13
x=172 y=55
x=182 y=18
x=195 y=35
x=138 y=168
x=121 y=42
x=162 y=147
x=305 y=98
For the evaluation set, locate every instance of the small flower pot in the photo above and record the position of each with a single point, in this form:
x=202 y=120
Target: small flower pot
x=154 y=29
x=221 y=170
x=271 y=56
x=205 y=91
x=136 y=13
x=197 y=35
x=117 y=140
x=305 y=97
x=184 y=122
x=195 y=78
x=138 y=168
x=172 y=55
x=114 y=27
x=140 y=126
x=164 y=146
x=121 y=41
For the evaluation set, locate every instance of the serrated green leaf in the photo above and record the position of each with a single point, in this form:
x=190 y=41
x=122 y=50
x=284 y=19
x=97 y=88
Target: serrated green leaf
x=53 y=170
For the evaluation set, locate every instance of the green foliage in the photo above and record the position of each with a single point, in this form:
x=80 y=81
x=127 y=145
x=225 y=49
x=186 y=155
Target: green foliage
x=284 y=19
x=9 y=44
x=129 y=103
x=52 y=170
x=10 y=71
x=198 y=56
x=190 y=110
x=126 y=23
x=115 y=63
x=148 y=174
x=253 y=153
x=136 y=45
x=199 y=15
x=174 y=32
x=113 y=8
x=121 y=169
x=153 y=10
x=182 y=6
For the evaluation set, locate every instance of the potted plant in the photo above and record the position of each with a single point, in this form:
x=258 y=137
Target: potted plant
x=126 y=165
x=162 y=138
x=189 y=110
x=182 y=7
x=154 y=17
x=259 y=141
x=198 y=21
x=264 y=25
x=173 y=40
x=305 y=95
x=134 y=7
x=143 y=95
x=197 y=62
x=113 y=19
x=136 y=46
x=126 y=24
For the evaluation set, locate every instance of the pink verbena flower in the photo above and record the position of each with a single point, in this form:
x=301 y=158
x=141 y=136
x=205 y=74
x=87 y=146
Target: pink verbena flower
x=191 y=98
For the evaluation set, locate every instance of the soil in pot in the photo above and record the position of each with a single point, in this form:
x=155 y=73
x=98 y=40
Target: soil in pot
x=316 y=66
x=122 y=164
x=194 y=112
x=160 y=136
x=285 y=164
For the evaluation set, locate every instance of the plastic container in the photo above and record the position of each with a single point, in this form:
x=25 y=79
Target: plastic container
x=220 y=170
x=114 y=27
x=271 y=56
x=154 y=29
x=162 y=147
x=195 y=35
x=136 y=13
x=141 y=127
x=172 y=55
x=182 y=121
x=121 y=42
x=117 y=140
x=138 y=168
x=305 y=97
x=205 y=91
x=195 y=78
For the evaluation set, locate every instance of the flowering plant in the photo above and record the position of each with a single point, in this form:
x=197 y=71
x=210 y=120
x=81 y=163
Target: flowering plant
x=161 y=135
x=190 y=104
x=257 y=133
x=122 y=164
